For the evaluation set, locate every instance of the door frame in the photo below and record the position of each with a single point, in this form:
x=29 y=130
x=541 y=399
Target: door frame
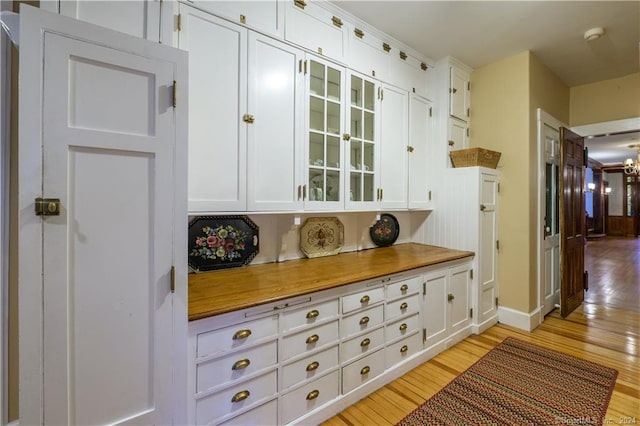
x=544 y=119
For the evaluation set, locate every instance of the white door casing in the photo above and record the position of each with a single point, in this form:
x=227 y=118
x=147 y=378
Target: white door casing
x=100 y=330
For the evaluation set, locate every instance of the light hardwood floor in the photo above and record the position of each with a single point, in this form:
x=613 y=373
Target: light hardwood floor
x=605 y=333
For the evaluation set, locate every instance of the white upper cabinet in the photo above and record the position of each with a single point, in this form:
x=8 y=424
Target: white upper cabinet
x=410 y=73
x=140 y=18
x=315 y=28
x=276 y=95
x=369 y=54
x=420 y=124
x=266 y=16
x=325 y=100
x=217 y=102
x=459 y=81
x=394 y=141
x=362 y=156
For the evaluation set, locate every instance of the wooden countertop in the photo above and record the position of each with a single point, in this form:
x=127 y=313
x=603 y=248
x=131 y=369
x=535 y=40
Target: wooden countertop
x=227 y=290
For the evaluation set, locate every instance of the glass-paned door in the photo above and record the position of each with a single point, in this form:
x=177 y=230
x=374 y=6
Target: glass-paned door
x=361 y=155
x=325 y=127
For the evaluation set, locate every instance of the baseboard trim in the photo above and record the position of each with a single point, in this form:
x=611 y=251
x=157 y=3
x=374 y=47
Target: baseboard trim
x=522 y=320
x=14 y=423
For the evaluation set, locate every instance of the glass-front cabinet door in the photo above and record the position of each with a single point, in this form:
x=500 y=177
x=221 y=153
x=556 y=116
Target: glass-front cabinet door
x=324 y=189
x=361 y=155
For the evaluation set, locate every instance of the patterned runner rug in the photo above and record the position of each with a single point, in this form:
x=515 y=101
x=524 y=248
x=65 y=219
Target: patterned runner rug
x=519 y=383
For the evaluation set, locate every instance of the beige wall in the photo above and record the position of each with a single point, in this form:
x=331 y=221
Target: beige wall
x=606 y=100
x=505 y=97
x=500 y=121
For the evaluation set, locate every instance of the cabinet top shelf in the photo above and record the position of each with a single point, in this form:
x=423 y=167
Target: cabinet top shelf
x=219 y=292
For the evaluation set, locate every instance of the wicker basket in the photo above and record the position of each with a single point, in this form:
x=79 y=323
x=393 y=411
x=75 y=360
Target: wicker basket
x=475 y=157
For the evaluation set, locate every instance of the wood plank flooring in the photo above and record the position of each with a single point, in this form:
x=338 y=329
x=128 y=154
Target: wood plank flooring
x=604 y=329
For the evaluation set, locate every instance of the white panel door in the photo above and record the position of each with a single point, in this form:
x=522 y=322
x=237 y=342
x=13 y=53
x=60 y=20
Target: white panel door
x=217 y=102
x=101 y=270
x=419 y=133
x=487 y=252
x=274 y=138
x=436 y=306
x=394 y=139
x=459 y=298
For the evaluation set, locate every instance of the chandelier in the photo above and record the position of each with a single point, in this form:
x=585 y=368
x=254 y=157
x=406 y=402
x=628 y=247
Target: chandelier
x=630 y=166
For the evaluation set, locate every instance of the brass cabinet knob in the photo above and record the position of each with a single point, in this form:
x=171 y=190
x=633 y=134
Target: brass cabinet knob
x=240 y=364
x=365 y=370
x=404 y=288
x=312 y=339
x=404 y=349
x=240 y=396
x=403 y=326
x=365 y=342
x=313 y=394
x=242 y=334
x=365 y=299
x=313 y=314
x=364 y=320
x=313 y=366
x=404 y=306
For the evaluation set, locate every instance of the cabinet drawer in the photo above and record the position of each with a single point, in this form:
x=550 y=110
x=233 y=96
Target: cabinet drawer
x=308 y=340
x=235 y=366
x=403 y=306
x=222 y=403
x=266 y=414
x=402 y=327
x=362 y=299
x=236 y=336
x=361 y=321
x=403 y=349
x=361 y=371
x=362 y=344
x=403 y=288
x=309 y=367
x=309 y=397
x=309 y=315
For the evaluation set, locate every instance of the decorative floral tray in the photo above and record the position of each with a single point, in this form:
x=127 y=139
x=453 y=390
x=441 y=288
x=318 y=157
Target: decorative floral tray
x=321 y=236
x=385 y=231
x=219 y=242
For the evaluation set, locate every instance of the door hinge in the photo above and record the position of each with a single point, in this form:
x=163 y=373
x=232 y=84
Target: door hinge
x=585 y=281
x=471 y=273
x=358 y=32
x=496 y=302
x=498 y=187
x=173 y=279
x=467 y=132
x=468 y=85
x=468 y=109
x=497 y=244
x=179 y=22
x=424 y=334
x=337 y=21
x=386 y=47
x=430 y=111
x=424 y=288
x=470 y=312
x=429 y=195
x=174 y=93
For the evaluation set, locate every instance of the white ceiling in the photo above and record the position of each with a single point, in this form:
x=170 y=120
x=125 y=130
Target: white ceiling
x=483 y=32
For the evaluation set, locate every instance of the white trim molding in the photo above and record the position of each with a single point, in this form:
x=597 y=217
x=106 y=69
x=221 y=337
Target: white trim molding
x=522 y=320
x=616 y=126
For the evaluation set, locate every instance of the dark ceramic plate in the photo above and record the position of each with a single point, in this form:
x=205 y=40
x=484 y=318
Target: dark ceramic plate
x=220 y=242
x=385 y=231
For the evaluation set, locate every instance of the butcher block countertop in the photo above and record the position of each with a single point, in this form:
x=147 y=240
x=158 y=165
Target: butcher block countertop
x=218 y=292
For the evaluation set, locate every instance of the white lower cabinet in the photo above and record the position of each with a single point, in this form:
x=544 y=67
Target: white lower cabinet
x=290 y=363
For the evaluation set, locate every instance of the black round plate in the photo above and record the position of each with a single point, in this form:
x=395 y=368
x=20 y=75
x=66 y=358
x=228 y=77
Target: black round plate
x=385 y=231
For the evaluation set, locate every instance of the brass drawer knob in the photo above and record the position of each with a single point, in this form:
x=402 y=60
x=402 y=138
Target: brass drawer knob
x=404 y=288
x=364 y=320
x=313 y=366
x=365 y=370
x=312 y=339
x=404 y=349
x=404 y=306
x=313 y=395
x=313 y=314
x=240 y=364
x=365 y=299
x=365 y=342
x=403 y=326
x=242 y=334
x=240 y=396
